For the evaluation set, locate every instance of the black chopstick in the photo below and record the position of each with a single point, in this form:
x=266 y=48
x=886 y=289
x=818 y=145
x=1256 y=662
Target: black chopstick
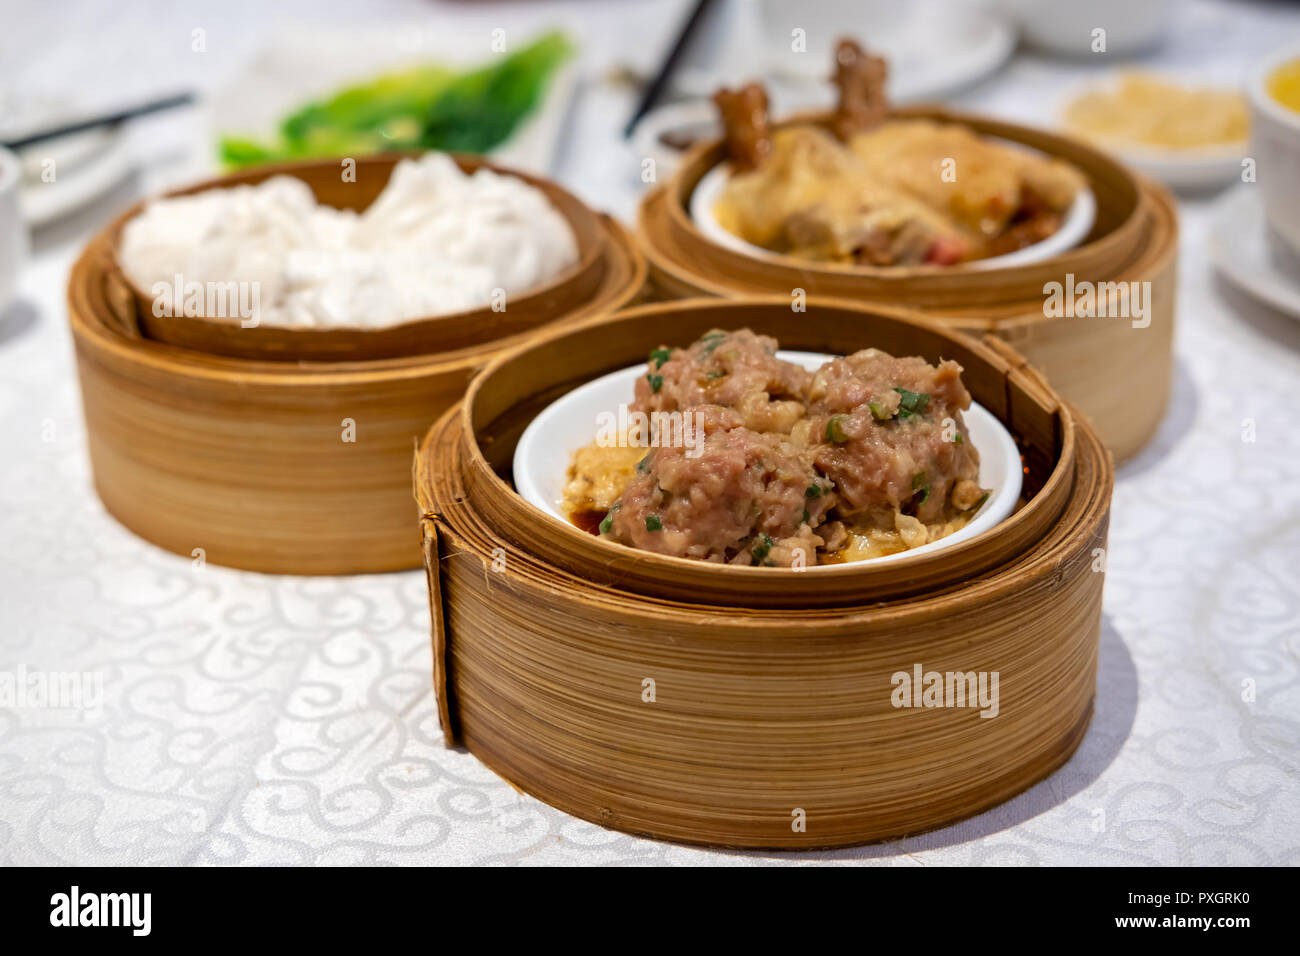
x=105 y=119
x=656 y=87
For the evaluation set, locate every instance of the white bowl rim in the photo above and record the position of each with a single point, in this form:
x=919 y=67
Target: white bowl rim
x=1258 y=95
x=1078 y=223
x=1000 y=505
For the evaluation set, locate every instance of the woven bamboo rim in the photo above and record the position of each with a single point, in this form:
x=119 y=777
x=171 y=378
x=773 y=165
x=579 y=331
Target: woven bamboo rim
x=245 y=459
x=502 y=400
x=762 y=709
x=1117 y=375
x=564 y=294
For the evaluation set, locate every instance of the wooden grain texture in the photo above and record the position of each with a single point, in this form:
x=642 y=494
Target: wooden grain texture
x=564 y=294
x=1117 y=375
x=246 y=460
x=760 y=712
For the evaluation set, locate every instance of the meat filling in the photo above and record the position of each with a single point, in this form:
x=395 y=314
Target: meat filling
x=868 y=455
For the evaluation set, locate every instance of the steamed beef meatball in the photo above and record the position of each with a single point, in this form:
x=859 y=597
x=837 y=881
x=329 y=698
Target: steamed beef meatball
x=746 y=497
x=889 y=432
x=737 y=370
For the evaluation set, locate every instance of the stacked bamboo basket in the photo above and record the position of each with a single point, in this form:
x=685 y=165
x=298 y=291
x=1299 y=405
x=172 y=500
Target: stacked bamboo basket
x=755 y=707
x=1118 y=375
x=233 y=443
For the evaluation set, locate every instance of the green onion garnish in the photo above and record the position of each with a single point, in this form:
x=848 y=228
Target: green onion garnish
x=912 y=403
x=922 y=484
x=654 y=523
x=835 y=430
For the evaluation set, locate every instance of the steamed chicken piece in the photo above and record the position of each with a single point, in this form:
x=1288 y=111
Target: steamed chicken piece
x=746 y=498
x=889 y=433
x=988 y=184
x=815 y=198
x=737 y=370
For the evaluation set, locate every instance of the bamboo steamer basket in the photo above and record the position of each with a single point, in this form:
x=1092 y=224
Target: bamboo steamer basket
x=246 y=459
x=771 y=687
x=566 y=293
x=1117 y=375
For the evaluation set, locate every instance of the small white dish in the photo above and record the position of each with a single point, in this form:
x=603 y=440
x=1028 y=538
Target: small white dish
x=542 y=457
x=65 y=173
x=1191 y=170
x=81 y=175
x=1078 y=222
x=1248 y=255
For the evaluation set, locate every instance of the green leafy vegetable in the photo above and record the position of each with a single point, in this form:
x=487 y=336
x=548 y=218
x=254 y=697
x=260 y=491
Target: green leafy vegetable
x=428 y=107
x=654 y=523
x=760 y=551
x=659 y=356
x=656 y=381
x=813 y=491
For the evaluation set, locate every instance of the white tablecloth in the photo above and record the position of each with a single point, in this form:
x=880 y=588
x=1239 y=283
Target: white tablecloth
x=256 y=719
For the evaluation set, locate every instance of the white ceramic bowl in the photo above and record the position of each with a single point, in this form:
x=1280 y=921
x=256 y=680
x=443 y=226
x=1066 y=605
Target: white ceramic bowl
x=1189 y=170
x=1275 y=147
x=1078 y=222
x=1067 y=26
x=543 y=454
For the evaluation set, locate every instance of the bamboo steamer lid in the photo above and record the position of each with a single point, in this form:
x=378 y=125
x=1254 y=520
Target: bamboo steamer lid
x=754 y=707
x=1118 y=375
x=249 y=461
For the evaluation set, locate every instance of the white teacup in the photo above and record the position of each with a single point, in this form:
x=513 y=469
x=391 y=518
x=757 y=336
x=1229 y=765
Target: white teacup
x=1275 y=147
x=13 y=231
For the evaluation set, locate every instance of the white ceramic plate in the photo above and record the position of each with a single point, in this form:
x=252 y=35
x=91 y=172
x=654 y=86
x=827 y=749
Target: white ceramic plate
x=1246 y=255
x=306 y=62
x=76 y=184
x=542 y=456
x=1077 y=224
x=86 y=164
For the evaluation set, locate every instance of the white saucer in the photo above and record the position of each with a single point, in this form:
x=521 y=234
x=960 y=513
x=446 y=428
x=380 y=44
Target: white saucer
x=1078 y=222
x=940 y=48
x=87 y=164
x=544 y=451
x=94 y=172
x=1245 y=254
